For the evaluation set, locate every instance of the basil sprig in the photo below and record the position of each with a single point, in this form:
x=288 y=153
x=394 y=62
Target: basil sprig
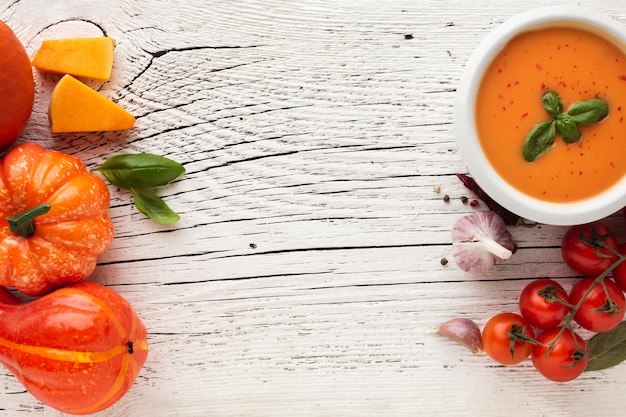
x=140 y=173
x=565 y=124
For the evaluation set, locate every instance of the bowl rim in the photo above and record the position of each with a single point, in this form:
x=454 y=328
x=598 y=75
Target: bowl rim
x=578 y=212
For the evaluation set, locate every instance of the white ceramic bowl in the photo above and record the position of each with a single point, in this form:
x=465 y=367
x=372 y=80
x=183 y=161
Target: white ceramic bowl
x=595 y=208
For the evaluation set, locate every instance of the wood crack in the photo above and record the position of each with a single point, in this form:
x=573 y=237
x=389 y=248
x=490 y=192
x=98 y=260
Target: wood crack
x=160 y=53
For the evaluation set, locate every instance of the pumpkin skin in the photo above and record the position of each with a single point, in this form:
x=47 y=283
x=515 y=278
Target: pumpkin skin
x=68 y=238
x=78 y=349
x=17 y=87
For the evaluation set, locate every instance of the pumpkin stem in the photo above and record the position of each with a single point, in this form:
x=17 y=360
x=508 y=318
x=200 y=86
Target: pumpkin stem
x=23 y=223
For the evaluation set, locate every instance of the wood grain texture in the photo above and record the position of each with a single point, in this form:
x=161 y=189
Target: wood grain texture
x=304 y=276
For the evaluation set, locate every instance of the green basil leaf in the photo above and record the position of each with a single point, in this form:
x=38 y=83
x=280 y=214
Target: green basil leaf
x=567 y=129
x=539 y=140
x=553 y=103
x=607 y=349
x=154 y=207
x=589 y=111
x=140 y=171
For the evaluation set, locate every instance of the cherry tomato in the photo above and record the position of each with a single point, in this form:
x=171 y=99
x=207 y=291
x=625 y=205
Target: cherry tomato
x=619 y=273
x=567 y=359
x=581 y=252
x=544 y=303
x=597 y=313
x=504 y=338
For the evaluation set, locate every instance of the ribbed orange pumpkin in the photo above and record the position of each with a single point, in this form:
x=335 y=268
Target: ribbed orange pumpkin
x=41 y=250
x=78 y=349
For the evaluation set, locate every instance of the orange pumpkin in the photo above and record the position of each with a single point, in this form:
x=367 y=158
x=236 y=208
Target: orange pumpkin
x=78 y=349
x=55 y=220
x=17 y=87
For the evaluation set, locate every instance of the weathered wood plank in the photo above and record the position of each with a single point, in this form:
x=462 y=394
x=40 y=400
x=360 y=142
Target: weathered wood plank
x=305 y=273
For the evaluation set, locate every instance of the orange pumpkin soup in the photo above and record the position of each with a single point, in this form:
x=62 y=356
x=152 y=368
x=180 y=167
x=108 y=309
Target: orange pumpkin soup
x=577 y=65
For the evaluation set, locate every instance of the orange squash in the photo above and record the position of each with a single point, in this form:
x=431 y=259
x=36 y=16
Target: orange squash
x=39 y=249
x=17 y=88
x=81 y=57
x=78 y=349
x=75 y=107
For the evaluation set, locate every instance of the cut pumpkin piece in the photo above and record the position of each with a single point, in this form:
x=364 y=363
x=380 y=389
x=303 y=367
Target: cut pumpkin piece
x=80 y=57
x=76 y=107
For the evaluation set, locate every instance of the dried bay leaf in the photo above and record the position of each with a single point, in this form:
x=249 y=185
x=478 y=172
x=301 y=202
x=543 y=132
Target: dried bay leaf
x=607 y=349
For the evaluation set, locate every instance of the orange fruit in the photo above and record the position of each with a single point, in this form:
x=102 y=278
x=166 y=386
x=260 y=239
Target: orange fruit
x=17 y=87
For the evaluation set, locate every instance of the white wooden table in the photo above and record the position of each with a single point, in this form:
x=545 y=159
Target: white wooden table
x=305 y=274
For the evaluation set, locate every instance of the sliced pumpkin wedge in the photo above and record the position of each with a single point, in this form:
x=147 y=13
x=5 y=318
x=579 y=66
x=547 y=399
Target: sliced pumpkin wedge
x=76 y=107
x=80 y=57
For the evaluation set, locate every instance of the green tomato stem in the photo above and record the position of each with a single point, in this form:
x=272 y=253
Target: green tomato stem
x=23 y=224
x=599 y=280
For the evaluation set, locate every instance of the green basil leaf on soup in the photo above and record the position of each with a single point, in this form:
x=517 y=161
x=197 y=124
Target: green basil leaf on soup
x=589 y=111
x=539 y=140
x=553 y=103
x=567 y=129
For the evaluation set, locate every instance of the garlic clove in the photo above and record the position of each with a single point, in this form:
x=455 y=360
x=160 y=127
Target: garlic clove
x=462 y=331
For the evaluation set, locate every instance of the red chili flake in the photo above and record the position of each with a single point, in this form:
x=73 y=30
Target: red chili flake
x=622 y=77
x=473 y=203
x=524 y=115
x=539 y=67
